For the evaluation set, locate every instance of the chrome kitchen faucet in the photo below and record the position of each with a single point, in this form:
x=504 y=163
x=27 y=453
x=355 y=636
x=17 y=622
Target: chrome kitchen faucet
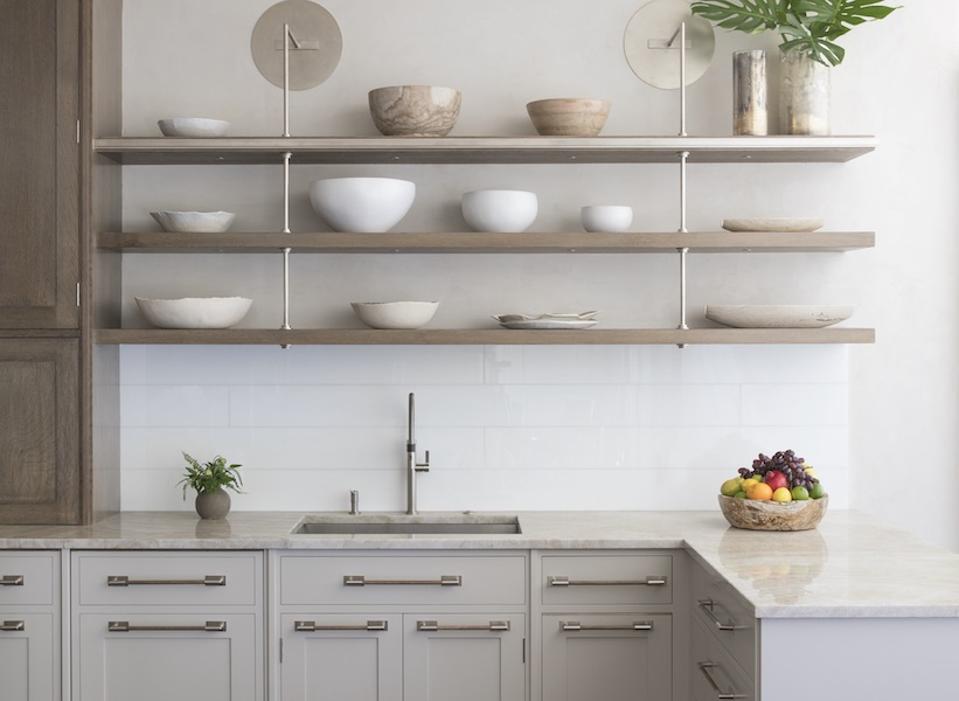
x=412 y=467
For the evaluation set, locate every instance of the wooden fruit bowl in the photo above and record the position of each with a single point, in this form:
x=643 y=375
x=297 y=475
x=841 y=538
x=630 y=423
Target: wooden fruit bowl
x=757 y=515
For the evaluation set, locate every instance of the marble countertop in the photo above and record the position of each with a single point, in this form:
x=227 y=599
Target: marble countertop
x=851 y=566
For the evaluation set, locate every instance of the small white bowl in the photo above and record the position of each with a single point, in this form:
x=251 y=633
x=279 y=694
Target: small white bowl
x=501 y=211
x=193 y=127
x=195 y=312
x=194 y=222
x=362 y=205
x=609 y=219
x=395 y=315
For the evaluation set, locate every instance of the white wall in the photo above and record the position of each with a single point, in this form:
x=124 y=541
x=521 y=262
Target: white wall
x=502 y=54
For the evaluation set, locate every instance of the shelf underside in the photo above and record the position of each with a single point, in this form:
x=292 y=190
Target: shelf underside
x=480 y=337
x=478 y=149
x=706 y=242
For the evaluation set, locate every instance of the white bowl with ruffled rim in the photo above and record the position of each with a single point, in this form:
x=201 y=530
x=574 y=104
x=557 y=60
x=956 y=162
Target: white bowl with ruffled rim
x=195 y=312
x=395 y=315
x=193 y=127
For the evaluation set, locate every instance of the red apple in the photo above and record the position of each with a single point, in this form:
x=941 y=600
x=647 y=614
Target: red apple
x=776 y=479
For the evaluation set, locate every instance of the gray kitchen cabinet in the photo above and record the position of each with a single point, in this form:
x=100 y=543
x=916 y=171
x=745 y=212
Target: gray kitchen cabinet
x=29 y=626
x=185 y=655
x=614 y=657
x=475 y=657
x=345 y=657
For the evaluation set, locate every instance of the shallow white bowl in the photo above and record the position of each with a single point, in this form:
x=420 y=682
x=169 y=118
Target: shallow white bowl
x=362 y=205
x=194 y=222
x=195 y=312
x=610 y=219
x=501 y=211
x=777 y=316
x=193 y=127
x=395 y=315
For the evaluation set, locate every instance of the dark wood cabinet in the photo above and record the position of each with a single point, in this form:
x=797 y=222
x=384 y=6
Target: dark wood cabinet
x=39 y=431
x=39 y=163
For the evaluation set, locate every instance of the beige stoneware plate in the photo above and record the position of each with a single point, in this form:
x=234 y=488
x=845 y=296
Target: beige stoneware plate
x=786 y=224
x=777 y=316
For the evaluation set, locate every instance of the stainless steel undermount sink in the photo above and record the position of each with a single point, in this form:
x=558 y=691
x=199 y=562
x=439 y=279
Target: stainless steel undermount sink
x=465 y=524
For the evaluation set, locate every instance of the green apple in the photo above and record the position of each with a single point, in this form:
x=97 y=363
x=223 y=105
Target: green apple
x=800 y=494
x=818 y=491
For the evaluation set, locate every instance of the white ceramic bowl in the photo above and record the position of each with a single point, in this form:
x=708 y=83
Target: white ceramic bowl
x=362 y=205
x=395 y=315
x=503 y=211
x=194 y=222
x=607 y=218
x=193 y=127
x=195 y=313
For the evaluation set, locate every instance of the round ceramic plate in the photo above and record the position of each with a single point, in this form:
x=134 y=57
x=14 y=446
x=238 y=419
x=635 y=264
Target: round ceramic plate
x=550 y=324
x=782 y=316
x=773 y=224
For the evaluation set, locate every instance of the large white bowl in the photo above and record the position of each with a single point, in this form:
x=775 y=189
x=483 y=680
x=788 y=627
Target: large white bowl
x=362 y=205
x=195 y=312
x=395 y=315
x=193 y=127
x=194 y=222
x=611 y=219
x=777 y=316
x=502 y=211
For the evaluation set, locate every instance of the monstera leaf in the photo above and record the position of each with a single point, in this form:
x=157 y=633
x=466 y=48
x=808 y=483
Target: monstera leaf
x=808 y=26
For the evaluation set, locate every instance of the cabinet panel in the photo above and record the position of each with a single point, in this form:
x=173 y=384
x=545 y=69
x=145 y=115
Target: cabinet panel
x=721 y=610
x=39 y=431
x=345 y=657
x=494 y=580
x=39 y=171
x=464 y=657
x=617 y=579
x=28 y=657
x=714 y=673
x=160 y=665
x=28 y=578
x=165 y=579
x=589 y=657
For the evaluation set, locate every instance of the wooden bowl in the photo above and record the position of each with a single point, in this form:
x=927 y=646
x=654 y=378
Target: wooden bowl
x=757 y=515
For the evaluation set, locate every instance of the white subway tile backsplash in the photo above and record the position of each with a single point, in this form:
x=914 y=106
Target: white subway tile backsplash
x=508 y=427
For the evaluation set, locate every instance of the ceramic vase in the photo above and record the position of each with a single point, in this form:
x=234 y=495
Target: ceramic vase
x=750 y=116
x=213 y=505
x=803 y=95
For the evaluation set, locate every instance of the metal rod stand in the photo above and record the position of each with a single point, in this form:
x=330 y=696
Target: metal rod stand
x=683 y=162
x=287 y=250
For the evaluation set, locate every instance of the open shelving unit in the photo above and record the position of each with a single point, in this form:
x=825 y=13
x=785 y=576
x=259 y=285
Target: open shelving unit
x=680 y=150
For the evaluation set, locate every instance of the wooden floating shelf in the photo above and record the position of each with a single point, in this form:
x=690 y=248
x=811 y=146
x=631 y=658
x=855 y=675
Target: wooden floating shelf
x=481 y=337
x=482 y=149
x=705 y=242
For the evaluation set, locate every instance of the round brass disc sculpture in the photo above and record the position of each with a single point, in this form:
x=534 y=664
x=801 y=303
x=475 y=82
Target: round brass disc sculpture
x=316 y=32
x=652 y=43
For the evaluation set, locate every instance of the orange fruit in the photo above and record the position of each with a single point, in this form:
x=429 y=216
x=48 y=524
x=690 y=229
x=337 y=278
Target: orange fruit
x=760 y=491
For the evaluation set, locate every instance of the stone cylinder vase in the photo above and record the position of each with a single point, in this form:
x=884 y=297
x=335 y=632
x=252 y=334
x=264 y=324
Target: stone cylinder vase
x=213 y=505
x=750 y=115
x=803 y=95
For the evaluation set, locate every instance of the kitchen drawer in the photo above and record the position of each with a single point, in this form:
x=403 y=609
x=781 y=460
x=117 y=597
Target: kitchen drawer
x=29 y=578
x=165 y=578
x=724 y=613
x=427 y=580
x=715 y=675
x=606 y=578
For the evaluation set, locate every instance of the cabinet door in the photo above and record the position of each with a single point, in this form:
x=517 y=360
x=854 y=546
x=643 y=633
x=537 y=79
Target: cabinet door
x=28 y=659
x=614 y=657
x=160 y=657
x=476 y=657
x=39 y=170
x=342 y=657
x=39 y=431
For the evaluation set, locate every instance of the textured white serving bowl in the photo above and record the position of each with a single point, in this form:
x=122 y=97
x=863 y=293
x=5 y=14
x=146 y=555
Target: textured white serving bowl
x=777 y=316
x=605 y=218
x=195 y=312
x=193 y=127
x=194 y=222
x=501 y=211
x=395 y=315
x=362 y=205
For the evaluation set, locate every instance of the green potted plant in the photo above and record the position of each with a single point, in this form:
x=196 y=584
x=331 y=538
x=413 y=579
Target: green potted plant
x=210 y=481
x=809 y=31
